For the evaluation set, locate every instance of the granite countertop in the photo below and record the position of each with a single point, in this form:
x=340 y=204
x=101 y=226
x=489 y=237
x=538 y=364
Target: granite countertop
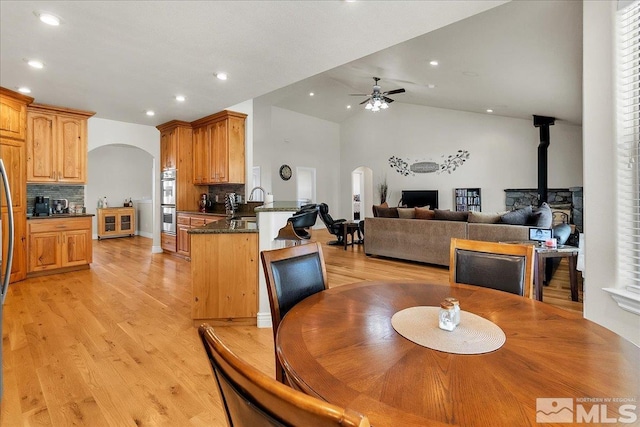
x=226 y=226
x=60 y=216
x=280 y=206
x=223 y=213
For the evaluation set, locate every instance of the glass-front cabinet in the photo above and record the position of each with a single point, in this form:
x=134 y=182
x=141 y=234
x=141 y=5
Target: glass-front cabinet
x=116 y=222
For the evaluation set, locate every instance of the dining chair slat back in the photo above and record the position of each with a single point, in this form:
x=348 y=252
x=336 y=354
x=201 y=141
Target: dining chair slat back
x=292 y=274
x=252 y=398
x=503 y=266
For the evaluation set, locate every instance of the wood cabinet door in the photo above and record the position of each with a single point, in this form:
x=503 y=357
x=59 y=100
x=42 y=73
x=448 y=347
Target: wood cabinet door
x=41 y=151
x=219 y=152
x=200 y=155
x=44 y=251
x=183 y=240
x=76 y=248
x=168 y=147
x=12 y=118
x=19 y=263
x=72 y=150
x=12 y=154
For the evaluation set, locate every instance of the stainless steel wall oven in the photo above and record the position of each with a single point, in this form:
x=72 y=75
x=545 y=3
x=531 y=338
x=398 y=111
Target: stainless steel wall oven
x=168 y=188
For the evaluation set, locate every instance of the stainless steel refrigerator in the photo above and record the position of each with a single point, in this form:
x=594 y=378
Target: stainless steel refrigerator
x=6 y=271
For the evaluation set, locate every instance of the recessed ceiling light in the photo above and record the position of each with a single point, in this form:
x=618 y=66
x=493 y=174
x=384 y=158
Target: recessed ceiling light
x=348 y=107
x=35 y=63
x=489 y=110
x=150 y=113
x=311 y=93
x=180 y=98
x=431 y=86
x=48 y=18
x=24 y=89
x=221 y=76
x=433 y=63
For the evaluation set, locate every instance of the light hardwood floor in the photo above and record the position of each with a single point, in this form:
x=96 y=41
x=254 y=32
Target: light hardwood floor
x=114 y=345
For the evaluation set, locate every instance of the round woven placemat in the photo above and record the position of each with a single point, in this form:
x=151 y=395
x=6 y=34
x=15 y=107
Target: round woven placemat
x=474 y=334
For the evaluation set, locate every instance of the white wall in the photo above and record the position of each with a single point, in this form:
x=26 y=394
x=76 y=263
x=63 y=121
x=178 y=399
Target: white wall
x=599 y=171
x=503 y=152
x=102 y=132
x=298 y=140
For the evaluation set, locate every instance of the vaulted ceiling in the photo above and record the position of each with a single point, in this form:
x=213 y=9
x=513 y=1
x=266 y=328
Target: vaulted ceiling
x=123 y=58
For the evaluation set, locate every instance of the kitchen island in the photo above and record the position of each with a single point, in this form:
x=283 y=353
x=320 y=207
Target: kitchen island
x=271 y=217
x=224 y=272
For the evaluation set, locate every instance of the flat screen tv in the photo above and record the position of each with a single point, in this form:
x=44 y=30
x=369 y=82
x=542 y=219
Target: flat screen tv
x=419 y=198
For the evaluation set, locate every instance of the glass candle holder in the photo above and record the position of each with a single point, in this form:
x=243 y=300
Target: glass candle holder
x=446 y=316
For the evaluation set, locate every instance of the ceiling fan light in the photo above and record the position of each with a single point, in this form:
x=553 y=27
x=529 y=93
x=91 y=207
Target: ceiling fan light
x=384 y=106
x=369 y=106
x=377 y=103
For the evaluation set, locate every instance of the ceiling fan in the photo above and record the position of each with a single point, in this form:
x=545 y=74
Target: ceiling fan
x=378 y=100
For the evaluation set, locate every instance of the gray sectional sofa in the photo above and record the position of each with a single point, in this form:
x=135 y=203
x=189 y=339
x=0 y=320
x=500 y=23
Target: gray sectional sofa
x=429 y=240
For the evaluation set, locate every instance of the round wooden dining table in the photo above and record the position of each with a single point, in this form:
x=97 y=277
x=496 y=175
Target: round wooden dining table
x=340 y=346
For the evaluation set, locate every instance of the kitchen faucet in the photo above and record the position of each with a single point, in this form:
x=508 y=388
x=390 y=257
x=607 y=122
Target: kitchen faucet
x=254 y=189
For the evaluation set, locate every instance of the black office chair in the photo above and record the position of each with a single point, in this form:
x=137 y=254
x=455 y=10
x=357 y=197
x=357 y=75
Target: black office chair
x=333 y=225
x=502 y=266
x=292 y=274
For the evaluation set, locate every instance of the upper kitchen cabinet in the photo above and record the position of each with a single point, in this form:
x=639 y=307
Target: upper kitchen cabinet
x=56 y=144
x=219 y=149
x=13 y=113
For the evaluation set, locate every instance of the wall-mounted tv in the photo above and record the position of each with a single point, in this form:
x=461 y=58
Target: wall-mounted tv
x=419 y=198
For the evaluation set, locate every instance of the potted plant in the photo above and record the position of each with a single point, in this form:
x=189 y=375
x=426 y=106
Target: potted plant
x=382 y=190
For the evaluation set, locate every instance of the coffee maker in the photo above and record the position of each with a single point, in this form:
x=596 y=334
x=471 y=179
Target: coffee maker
x=41 y=206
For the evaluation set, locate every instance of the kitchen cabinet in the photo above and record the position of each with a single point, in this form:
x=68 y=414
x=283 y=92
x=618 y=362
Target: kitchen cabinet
x=168 y=242
x=56 y=144
x=220 y=154
x=116 y=222
x=224 y=278
x=59 y=244
x=185 y=222
x=13 y=107
x=176 y=152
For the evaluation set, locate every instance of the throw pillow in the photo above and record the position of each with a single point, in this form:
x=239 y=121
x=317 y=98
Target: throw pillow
x=485 y=217
x=388 y=212
x=376 y=207
x=407 y=213
x=542 y=217
x=517 y=217
x=422 y=213
x=445 y=215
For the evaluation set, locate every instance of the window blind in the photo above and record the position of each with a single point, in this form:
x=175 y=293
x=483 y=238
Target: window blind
x=628 y=145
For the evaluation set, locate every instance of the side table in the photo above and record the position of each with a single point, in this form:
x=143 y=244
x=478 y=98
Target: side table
x=542 y=253
x=350 y=228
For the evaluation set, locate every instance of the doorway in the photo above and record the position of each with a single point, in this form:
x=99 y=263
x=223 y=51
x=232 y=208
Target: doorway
x=361 y=193
x=306 y=185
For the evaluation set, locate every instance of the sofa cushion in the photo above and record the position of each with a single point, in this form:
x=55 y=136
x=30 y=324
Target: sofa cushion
x=424 y=213
x=376 y=207
x=446 y=215
x=485 y=217
x=542 y=217
x=388 y=212
x=517 y=217
x=407 y=213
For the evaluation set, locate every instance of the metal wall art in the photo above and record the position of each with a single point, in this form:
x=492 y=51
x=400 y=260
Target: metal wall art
x=449 y=164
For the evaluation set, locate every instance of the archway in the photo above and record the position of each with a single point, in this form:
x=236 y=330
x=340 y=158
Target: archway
x=361 y=193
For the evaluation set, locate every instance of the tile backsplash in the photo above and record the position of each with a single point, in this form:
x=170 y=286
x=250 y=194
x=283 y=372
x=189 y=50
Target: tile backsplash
x=73 y=193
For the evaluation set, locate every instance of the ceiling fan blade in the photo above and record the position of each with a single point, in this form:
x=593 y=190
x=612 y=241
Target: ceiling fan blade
x=359 y=94
x=365 y=101
x=391 y=92
x=388 y=100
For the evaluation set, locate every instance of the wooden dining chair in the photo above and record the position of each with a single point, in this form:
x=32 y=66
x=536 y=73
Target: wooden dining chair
x=292 y=274
x=251 y=398
x=502 y=266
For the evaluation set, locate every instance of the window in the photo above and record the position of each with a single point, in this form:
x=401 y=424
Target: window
x=628 y=156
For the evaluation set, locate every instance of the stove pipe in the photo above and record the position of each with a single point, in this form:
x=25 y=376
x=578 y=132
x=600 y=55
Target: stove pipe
x=543 y=123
